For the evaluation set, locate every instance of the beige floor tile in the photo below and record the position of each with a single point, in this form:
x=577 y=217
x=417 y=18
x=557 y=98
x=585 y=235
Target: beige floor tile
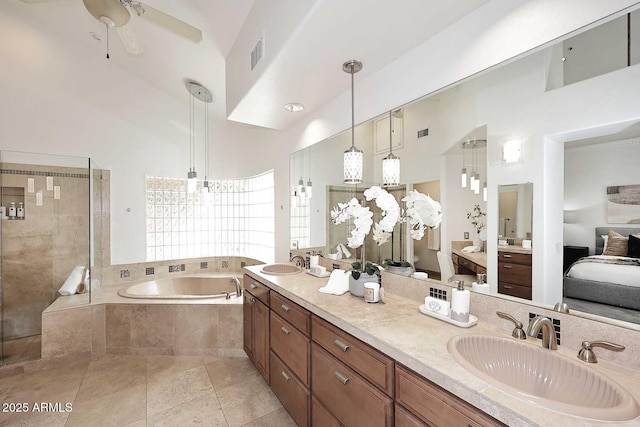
x=166 y=392
x=278 y=418
x=202 y=411
x=141 y=423
x=247 y=401
x=38 y=420
x=228 y=371
x=166 y=366
x=110 y=374
x=115 y=409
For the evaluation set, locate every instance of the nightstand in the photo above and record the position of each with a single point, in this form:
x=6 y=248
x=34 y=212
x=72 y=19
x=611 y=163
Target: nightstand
x=572 y=254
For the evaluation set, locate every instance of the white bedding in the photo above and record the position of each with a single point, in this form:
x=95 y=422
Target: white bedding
x=628 y=275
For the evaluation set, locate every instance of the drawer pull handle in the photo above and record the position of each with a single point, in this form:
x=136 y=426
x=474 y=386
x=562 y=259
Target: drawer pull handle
x=506 y=256
x=253 y=286
x=508 y=287
x=341 y=377
x=342 y=346
x=286 y=308
x=508 y=266
x=252 y=299
x=285 y=331
x=285 y=376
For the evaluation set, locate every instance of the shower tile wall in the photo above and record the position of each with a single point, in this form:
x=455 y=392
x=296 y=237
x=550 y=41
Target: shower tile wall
x=38 y=253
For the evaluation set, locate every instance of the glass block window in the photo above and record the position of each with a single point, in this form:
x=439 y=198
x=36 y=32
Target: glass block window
x=234 y=218
x=300 y=223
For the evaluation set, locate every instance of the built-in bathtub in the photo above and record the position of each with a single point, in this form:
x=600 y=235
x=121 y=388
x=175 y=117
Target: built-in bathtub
x=186 y=287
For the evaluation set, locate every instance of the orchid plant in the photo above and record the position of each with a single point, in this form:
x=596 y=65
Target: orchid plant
x=421 y=212
x=477 y=218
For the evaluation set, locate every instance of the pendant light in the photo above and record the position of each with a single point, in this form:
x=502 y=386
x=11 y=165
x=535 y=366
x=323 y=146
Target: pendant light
x=484 y=192
x=464 y=168
x=309 y=186
x=391 y=163
x=200 y=92
x=353 y=158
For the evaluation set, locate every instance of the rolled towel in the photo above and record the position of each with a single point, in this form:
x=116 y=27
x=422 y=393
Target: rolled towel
x=338 y=283
x=72 y=283
x=420 y=275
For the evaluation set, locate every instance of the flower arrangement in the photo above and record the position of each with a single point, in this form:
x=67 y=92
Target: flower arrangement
x=420 y=212
x=476 y=217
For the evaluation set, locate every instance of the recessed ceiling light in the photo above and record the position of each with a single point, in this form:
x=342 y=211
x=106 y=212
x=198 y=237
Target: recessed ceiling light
x=294 y=107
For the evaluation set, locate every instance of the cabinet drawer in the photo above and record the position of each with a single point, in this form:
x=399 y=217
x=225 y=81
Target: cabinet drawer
x=434 y=405
x=256 y=289
x=514 y=258
x=469 y=265
x=291 y=312
x=320 y=417
x=514 y=290
x=293 y=395
x=291 y=346
x=351 y=399
x=405 y=418
x=369 y=363
x=514 y=273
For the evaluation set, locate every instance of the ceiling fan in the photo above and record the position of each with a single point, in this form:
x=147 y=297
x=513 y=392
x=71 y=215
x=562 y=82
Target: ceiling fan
x=117 y=13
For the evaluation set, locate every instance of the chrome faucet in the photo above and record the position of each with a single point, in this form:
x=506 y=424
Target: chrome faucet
x=586 y=353
x=518 y=332
x=299 y=261
x=236 y=281
x=548 y=332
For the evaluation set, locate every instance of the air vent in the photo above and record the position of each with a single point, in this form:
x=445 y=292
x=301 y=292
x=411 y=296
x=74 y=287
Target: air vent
x=257 y=53
x=423 y=132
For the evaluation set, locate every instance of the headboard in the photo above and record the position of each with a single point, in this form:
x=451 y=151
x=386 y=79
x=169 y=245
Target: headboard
x=603 y=231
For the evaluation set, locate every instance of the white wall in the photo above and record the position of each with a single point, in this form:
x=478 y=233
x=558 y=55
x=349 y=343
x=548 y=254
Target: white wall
x=588 y=171
x=67 y=99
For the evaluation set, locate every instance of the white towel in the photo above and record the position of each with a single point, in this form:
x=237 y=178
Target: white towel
x=338 y=283
x=72 y=283
x=420 y=275
x=470 y=249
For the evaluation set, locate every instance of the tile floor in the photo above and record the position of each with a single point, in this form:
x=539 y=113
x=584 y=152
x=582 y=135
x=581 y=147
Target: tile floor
x=21 y=349
x=124 y=390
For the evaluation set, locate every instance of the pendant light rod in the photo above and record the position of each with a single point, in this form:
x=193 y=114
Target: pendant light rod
x=353 y=158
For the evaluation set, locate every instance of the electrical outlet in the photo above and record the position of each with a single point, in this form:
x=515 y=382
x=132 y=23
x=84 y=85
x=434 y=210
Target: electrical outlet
x=466 y=234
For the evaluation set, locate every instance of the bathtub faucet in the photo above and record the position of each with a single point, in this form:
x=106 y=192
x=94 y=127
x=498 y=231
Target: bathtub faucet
x=236 y=281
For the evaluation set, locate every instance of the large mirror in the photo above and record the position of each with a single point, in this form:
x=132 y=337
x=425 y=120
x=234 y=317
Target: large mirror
x=571 y=111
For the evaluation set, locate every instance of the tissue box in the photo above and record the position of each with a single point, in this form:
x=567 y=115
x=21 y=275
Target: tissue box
x=437 y=305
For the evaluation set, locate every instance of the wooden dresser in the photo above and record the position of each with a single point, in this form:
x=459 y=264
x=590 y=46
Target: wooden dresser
x=514 y=274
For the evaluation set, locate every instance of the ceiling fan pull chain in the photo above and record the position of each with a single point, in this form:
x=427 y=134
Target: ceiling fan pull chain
x=107 y=28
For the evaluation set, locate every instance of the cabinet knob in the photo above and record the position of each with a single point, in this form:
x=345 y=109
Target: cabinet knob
x=342 y=346
x=341 y=377
x=285 y=376
x=285 y=331
x=252 y=300
x=285 y=307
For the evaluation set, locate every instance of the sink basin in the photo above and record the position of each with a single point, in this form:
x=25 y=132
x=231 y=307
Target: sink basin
x=281 y=269
x=543 y=377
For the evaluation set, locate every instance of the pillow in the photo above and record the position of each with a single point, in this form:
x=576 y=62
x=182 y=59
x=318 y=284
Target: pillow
x=634 y=245
x=617 y=244
x=605 y=237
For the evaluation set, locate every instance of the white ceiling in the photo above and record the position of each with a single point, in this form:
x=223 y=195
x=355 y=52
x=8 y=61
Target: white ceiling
x=306 y=67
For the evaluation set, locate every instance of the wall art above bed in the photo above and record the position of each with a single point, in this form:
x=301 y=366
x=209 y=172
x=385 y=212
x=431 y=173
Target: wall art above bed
x=623 y=204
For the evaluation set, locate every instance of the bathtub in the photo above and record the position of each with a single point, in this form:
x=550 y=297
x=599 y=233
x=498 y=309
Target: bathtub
x=186 y=287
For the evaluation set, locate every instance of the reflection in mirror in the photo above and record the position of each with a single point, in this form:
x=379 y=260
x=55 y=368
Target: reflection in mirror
x=599 y=204
x=515 y=211
x=549 y=96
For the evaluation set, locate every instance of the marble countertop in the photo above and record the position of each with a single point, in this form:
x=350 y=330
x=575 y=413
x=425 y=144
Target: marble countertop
x=513 y=248
x=419 y=342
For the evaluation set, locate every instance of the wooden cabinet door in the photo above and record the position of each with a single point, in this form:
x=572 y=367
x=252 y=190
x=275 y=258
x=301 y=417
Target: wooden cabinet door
x=405 y=418
x=261 y=338
x=247 y=324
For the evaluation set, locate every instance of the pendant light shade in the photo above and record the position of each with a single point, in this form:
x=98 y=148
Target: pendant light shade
x=391 y=163
x=353 y=158
x=484 y=192
x=464 y=178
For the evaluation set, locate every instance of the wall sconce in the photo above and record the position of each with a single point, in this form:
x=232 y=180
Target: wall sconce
x=511 y=152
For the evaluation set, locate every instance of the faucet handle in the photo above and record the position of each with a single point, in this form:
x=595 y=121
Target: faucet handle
x=586 y=353
x=518 y=332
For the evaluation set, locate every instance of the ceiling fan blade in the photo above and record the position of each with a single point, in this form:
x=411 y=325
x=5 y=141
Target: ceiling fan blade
x=129 y=40
x=172 y=24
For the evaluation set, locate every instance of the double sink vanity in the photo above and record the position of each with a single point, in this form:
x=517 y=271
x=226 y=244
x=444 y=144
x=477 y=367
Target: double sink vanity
x=339 y=361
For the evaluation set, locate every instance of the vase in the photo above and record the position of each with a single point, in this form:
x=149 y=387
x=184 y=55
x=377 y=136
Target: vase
x=356 y=286
x=401 y=271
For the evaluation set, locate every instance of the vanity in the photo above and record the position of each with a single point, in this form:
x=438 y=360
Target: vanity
x=338 y=361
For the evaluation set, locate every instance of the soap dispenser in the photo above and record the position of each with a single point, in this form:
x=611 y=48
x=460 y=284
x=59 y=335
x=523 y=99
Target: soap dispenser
x=460 y=300
x=20 y=211
x=12 y=210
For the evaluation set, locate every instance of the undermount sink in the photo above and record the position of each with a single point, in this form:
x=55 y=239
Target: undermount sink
x=281 y=269
x=543 y=377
